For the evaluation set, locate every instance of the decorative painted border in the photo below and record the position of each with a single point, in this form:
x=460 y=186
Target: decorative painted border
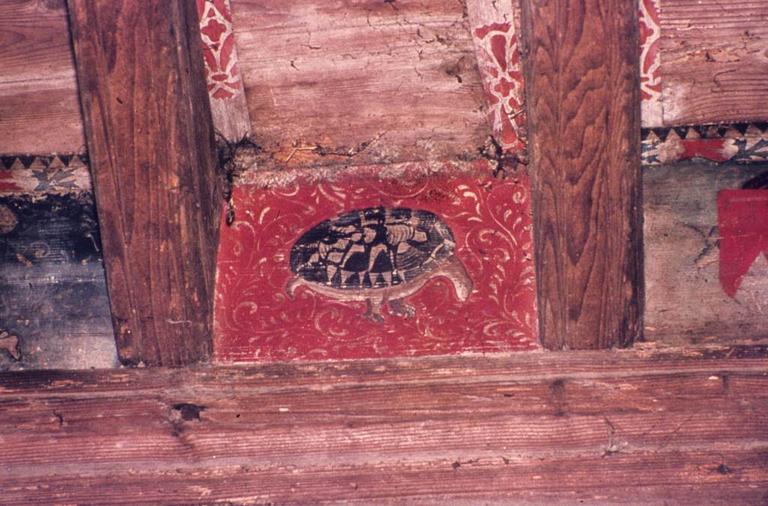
x=650 y=62
x=495 y=28
x=219 y=49
x=55 y=174
x=740 y=143
x=225 y=86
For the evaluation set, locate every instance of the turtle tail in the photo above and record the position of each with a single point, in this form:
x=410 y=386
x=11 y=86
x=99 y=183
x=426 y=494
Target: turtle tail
x=293 y=283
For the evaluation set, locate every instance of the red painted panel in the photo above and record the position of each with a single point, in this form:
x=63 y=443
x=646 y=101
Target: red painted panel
x=491 y=223
x=743 y=223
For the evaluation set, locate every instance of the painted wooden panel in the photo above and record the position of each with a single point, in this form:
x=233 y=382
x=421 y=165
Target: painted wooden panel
x=360 y=81
x=53 y=295
x=714 y=61
x=260 y=317
x=706 y=277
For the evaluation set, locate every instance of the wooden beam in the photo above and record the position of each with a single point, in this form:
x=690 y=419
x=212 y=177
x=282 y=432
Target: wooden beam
x=549 y=428
x=584 y=134
x=151 y=146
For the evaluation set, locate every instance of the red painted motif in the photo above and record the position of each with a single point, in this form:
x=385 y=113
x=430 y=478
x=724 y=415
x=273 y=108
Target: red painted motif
x=8 y=183
x=650 y=32
x=743 y=225
x=499 y=59
x=709 y=149
x=219 y=48
x=490 y=220
x=650 y=63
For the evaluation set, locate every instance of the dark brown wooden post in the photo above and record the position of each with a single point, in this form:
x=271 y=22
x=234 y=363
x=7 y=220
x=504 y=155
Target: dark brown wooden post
x=152 y=153
x=584 y=120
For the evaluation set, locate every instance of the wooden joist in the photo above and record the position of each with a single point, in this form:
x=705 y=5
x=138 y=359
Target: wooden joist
x=648 y=426
x=151 y=146
x=584 y=139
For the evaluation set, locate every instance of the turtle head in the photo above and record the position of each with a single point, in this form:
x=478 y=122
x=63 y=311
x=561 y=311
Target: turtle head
x=293 y=283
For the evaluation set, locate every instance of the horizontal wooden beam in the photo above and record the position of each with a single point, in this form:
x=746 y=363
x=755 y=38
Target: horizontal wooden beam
x=151 y=146
x=584 y=138
x=641 y=426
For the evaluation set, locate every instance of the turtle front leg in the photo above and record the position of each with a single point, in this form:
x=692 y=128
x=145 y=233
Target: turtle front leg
x=374 y=311
x=400 y=308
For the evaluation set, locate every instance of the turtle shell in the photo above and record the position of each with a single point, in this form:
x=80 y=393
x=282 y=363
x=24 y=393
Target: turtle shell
x=372 y=248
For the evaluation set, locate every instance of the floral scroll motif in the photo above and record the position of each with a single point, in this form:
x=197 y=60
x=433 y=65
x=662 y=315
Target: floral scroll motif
x=499 y=60
x=219 y=49
x=650 y=79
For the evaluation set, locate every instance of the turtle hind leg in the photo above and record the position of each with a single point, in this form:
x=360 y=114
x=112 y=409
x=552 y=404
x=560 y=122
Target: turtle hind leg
x=400 y=308
x=373 y=313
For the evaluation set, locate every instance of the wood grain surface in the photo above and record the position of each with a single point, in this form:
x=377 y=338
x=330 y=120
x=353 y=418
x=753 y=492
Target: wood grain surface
x=39 y=112
x=714 y=61
x=360 y=81
x=151 y=146
x=642 y=426
x=584 y=139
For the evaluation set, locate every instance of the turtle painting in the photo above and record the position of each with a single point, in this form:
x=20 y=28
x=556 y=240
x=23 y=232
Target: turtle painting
x=378 y=255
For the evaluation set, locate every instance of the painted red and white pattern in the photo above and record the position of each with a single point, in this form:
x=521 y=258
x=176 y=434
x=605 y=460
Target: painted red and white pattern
x=225 y=86
x=490 y=220
x=495 y=32
x=650 y=62
x=219 y=49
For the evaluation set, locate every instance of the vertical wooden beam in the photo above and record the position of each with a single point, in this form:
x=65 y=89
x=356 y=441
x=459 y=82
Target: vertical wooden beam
x=584 y=133
x=152 y=152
